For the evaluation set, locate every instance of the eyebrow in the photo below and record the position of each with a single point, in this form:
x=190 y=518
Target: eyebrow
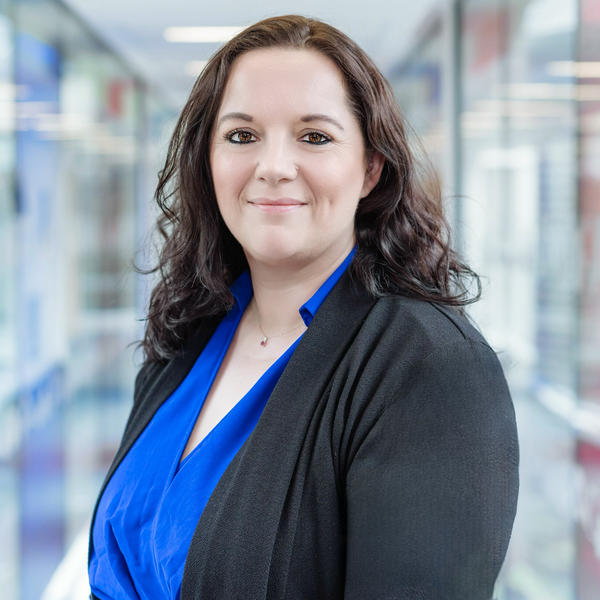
x=304 y=119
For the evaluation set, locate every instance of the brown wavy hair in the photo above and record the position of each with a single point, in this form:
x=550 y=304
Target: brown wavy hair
x=401 y=233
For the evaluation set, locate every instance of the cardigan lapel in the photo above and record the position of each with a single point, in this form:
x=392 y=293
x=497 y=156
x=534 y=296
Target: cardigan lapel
x=234 y=542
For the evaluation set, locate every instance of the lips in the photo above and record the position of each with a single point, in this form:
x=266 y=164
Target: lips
x=276 y=202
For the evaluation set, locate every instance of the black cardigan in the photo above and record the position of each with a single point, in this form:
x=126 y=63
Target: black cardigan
x=384 y=465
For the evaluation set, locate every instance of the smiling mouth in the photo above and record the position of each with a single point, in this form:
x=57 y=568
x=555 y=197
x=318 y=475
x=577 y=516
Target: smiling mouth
x=278 y=207
x=277 y=202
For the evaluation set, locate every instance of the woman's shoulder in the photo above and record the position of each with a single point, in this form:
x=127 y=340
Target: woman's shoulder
x=435 y=324
x=418 y=361
x=406 y=340
x=413 y=345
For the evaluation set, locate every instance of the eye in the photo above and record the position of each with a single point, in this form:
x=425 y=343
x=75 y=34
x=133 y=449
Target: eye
x=243 y=139
x=317 y=134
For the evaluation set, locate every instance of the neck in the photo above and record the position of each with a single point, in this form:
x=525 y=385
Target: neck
x=279 y=291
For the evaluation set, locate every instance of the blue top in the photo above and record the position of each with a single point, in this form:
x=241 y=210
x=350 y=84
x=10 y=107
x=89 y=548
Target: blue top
x=150 y=507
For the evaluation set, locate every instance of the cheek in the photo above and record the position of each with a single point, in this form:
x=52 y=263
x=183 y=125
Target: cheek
x=222 y=186
x=339 y=181
x=229 y=168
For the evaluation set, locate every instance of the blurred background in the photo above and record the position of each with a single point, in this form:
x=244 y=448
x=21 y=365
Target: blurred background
x=505 y=96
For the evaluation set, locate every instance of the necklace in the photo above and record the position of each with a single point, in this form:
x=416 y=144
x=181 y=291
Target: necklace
x=266 y=337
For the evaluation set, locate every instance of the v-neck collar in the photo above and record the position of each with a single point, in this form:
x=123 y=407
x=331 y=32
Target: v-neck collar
x=282 y=421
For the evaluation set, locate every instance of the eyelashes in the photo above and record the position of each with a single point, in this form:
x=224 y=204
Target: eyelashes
x=229 y=136
x=325 y=139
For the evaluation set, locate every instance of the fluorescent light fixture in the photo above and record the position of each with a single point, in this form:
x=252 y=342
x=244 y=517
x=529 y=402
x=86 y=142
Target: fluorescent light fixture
x=194 y=67
x=11 y=91
x=588 y=93
x=553 y=91
x=200 y=35
x=569 y=68
x=540 y=91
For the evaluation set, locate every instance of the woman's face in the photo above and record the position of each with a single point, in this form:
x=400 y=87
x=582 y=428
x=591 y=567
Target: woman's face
x=284 y=133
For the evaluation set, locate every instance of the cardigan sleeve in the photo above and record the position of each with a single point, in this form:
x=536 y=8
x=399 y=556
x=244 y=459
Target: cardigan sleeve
x=431 y=491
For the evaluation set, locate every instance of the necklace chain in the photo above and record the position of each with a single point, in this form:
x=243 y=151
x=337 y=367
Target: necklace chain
x=266 y=337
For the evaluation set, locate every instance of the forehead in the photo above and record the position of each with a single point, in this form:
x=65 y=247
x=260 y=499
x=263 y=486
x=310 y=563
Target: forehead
x=271 y=79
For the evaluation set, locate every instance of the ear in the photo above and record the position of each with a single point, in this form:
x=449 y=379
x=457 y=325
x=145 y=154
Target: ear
x=375 y=162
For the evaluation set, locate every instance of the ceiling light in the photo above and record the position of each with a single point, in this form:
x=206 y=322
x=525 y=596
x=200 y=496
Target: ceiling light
x=196 y=35
x=569 y=68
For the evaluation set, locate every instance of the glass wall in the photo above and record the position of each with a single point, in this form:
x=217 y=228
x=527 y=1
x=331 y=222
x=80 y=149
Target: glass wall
x=74 y=126
x=9 y=413
x=520 y=210
x=525 y=158
x=417 y=84
x=586 y=75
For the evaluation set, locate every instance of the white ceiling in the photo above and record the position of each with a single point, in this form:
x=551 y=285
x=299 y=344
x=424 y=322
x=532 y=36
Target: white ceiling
x=134 y=28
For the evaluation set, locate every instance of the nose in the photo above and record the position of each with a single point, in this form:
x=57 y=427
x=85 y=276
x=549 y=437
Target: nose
x=276 y=161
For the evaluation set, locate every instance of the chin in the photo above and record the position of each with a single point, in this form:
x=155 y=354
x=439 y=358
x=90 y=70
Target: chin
x=276 y=251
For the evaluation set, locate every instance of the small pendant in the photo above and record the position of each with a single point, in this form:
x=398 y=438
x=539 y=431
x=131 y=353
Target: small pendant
x=263 y=342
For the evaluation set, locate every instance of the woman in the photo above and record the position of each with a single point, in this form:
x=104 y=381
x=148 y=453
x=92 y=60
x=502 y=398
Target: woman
x=315 y=416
